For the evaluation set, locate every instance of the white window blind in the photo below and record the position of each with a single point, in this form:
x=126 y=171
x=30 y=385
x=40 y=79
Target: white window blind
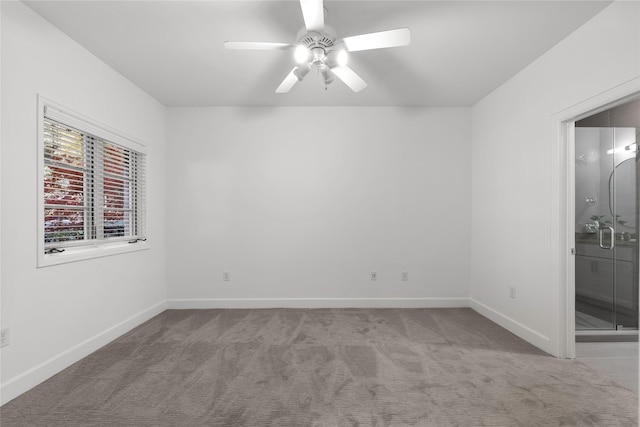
x=94 y=189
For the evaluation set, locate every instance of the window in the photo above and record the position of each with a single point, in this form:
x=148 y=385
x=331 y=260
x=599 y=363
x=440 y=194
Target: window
x=92 y=188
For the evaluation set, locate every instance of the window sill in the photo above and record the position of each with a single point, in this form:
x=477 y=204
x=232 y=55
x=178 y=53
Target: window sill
x=90 y=252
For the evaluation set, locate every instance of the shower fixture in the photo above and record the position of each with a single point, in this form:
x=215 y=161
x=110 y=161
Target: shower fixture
x=631 y=147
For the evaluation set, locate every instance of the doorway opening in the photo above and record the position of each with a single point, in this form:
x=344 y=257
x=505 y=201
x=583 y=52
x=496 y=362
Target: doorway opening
x=604 y=234
x=607 y=223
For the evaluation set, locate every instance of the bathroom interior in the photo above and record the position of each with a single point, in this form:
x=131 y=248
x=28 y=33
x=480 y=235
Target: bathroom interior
x=607 y=180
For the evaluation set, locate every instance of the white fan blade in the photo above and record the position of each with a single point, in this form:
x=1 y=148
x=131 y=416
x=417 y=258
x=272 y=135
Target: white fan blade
x=313 y=14
x=383 y=39
x=288 y=82
x=257 y=45
x=350 y=78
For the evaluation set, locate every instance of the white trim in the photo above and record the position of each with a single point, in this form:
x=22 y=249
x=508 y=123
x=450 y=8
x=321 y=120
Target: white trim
x=567 y=346
x=199 y=303
x=80 y=253
x=40 y=176
x=536 y=338
x=562 y=222
x=36 y=375
x=2 y=325
x=83 y=123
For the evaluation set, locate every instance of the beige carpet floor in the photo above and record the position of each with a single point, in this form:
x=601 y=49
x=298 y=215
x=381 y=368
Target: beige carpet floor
x=323 y=367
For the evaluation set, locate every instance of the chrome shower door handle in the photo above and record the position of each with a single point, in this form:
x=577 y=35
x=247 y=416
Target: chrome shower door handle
x=601 y=237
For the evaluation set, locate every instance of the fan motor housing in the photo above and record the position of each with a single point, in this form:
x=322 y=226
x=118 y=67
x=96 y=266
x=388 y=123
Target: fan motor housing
x=315 y=40
x=320 y=45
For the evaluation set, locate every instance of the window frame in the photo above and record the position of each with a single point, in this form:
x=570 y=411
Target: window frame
x=98 y=248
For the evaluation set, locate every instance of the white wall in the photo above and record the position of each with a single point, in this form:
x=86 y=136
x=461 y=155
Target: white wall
x=57 y=314
x=513 y=206
x=301 y=204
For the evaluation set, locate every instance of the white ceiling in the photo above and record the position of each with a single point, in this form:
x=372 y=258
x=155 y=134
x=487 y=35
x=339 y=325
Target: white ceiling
x=460 y=50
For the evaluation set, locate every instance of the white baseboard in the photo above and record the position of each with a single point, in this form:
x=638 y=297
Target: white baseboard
x=34 y=376
x=513 y=326
x=317 y=303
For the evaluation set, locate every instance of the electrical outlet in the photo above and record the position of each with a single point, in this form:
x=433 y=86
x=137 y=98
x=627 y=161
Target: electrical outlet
x=374 y=276
x=512 y=292
x=405 y=276
x=4 y=337
x=226 y=276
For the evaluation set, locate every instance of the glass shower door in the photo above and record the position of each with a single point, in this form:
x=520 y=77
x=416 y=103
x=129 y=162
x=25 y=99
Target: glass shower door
x=594 y=274
x=624 y=187
x=606 y=228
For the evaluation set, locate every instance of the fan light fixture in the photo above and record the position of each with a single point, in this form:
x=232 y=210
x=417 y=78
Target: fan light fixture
x=301 y=54
x=327 y=75
x=318 y=46
x=301 y=70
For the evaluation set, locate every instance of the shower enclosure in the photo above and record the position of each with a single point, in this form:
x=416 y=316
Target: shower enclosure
x=607 y=180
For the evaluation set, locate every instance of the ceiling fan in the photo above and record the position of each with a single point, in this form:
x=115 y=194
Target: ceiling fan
x=318 y=46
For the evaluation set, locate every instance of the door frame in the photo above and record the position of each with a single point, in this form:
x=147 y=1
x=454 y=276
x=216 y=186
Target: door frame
x=563 y=204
